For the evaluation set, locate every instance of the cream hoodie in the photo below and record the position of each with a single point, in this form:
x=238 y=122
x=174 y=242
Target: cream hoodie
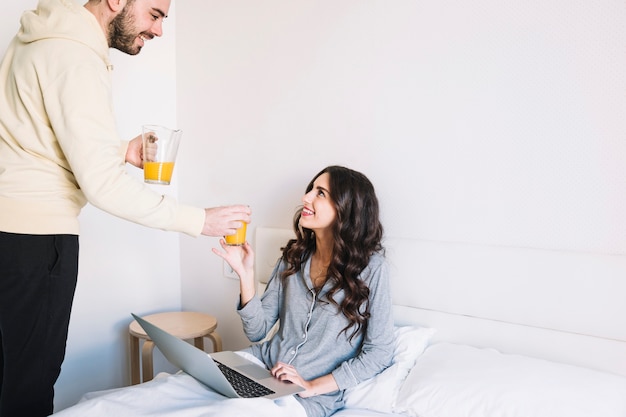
x=59 y=147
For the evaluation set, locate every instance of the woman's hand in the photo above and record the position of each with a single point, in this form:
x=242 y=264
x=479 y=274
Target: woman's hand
x=317 y=386
x=241 y=259
x=285 y=372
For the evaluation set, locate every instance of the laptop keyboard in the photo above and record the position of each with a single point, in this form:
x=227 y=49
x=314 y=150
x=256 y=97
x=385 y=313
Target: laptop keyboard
x=244 y=386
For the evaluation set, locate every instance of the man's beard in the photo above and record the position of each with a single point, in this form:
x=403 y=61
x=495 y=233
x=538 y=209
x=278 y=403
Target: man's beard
x=122 y=34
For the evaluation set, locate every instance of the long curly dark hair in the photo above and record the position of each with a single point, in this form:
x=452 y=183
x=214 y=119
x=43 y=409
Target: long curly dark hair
x=357 y=235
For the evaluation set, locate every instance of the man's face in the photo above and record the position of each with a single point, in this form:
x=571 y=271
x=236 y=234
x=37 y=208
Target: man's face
x=138 y=22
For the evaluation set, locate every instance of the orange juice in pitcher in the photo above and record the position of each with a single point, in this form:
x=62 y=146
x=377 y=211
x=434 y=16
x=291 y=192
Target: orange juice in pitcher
x=158 y=172
x=160 y=146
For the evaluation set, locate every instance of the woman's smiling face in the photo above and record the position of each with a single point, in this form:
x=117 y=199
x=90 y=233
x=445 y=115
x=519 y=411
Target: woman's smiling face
x=319 y=212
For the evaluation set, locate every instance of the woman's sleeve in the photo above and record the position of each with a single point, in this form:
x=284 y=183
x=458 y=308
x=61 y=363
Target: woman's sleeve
x=260 y=314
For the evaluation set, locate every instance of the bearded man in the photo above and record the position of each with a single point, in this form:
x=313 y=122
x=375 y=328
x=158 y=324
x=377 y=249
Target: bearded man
x=59 y=149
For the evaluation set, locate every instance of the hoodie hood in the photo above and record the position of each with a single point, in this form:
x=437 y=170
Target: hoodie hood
x=64 y=19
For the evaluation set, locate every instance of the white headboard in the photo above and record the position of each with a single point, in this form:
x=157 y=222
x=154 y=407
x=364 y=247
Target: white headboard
x=562 y=306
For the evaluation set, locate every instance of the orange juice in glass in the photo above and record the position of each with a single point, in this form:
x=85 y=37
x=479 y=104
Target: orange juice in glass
x=238 y=238
x=160 y=146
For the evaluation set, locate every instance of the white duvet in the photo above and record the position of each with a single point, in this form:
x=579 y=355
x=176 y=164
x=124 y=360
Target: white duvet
x=177 y=395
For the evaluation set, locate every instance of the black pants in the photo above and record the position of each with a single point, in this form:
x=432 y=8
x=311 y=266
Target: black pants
x=37 y=283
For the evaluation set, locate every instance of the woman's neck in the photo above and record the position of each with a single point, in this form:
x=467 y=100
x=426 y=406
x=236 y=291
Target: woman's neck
x=323 y=250
x=320 y=261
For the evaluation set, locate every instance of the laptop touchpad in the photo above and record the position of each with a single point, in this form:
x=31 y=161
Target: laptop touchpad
x=254 y=371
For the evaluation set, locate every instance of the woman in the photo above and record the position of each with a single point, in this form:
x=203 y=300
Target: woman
x=330 y=291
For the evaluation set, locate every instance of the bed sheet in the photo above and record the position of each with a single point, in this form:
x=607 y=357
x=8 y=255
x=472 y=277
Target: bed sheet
x=359 y=412
x=178 y=395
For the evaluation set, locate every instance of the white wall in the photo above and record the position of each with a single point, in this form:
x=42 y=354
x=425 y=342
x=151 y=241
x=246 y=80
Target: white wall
x=482 y=121
x=485 y=121
x=123 y=267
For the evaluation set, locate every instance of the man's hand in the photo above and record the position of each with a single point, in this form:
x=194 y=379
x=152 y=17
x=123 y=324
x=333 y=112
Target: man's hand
x=134 y=153
x=223 y=221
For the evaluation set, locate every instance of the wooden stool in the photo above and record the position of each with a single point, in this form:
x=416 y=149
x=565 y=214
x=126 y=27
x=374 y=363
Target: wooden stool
x=182 y=324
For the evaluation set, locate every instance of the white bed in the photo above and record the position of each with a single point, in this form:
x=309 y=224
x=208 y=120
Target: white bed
x=481 y=331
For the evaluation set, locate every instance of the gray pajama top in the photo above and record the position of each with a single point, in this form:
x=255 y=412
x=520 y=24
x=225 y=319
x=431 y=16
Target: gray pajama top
x=310 y=334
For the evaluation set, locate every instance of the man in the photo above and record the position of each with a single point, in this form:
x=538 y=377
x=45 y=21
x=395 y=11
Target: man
x=59 y=150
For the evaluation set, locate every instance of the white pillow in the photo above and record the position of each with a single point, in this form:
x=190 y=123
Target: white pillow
x=451 y=380
x=379 y=393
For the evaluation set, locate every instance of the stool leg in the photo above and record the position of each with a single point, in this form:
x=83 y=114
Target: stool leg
x=217 y=341
x=146 y=360
x=134 y=360
x=199 y=342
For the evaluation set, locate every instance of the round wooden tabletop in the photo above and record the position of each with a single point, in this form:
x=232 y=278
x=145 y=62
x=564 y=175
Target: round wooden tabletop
x=182 y=324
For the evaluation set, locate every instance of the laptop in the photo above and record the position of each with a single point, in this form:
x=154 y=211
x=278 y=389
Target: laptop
x=226 y=372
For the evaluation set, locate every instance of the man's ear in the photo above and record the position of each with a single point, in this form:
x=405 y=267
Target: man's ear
x=116 y=5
